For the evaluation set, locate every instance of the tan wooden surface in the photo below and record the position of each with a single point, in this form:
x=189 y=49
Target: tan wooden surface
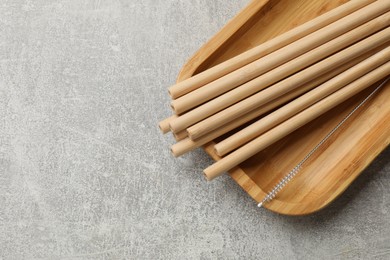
x=345 y=156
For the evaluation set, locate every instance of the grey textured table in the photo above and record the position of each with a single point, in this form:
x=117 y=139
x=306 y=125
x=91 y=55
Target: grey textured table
x=85 y=173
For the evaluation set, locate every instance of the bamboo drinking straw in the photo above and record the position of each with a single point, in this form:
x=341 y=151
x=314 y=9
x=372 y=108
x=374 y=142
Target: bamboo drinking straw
x=279 y=57
x=253 y=54
x=164 y=124
x=188 y=145
x=263 y=81
x=266 y=123
x=288 y=84
x=292 y=124
x=180 y=136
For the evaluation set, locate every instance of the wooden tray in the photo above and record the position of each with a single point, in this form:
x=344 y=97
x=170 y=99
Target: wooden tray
x=345 y=156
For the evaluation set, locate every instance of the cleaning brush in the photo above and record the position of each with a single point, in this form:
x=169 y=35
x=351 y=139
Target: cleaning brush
x=283 y=182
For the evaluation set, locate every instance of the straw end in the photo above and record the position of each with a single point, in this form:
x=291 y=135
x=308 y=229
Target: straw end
x=162 y=128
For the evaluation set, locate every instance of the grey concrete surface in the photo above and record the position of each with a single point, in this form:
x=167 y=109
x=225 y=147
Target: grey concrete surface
x=85 y=173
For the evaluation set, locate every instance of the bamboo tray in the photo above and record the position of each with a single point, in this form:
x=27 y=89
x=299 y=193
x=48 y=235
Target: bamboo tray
x=338 y=163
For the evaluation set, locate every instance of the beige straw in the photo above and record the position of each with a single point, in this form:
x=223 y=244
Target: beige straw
x=180 y=136
x=188 y=145
x=274 y=44
x=279 y=57
x=292 y=124
x=266 y=123
x=164 y=124
x=261 y=82
x=245 y=106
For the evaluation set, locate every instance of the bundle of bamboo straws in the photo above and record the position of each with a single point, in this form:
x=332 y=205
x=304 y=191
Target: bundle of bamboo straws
x=281 y=84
